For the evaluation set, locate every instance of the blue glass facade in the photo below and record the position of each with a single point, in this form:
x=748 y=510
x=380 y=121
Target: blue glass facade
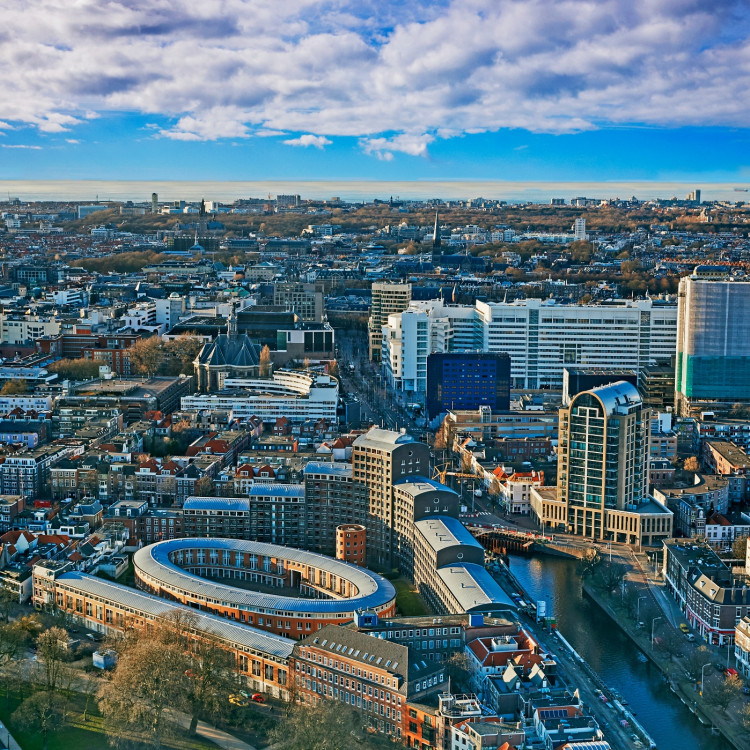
x=467 y=380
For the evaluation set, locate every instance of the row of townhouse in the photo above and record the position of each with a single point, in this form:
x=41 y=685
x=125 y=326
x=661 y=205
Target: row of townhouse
x=713 y=598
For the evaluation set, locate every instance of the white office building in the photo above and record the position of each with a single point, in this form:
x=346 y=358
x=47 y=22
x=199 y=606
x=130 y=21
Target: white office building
x=405 y=350
x=540 y=336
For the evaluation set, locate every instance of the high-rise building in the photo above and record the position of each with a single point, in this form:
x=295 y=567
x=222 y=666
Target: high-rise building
x=713 y=344
x=386 y=299
x=380 y=458
x=154 y=203
x=467 y=380
x=404 y=352
x=603 y=457
x=332 y=498
x=579 y=228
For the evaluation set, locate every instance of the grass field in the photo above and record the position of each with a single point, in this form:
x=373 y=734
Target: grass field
x=408 y=602
x=77 y=735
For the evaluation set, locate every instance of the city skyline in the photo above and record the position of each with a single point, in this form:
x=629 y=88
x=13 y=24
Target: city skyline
x=527 y=91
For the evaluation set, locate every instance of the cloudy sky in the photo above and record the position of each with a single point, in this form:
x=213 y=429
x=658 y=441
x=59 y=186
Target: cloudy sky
x=257 y=89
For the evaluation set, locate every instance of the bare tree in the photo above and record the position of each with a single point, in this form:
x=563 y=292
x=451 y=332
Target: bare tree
x=211 y=678
x=692 y=465
x=458 y=669
x=40 y=714
x=672 y=642
x=51 y=654
x=266 y=368
x=182 y=351
x=739 y=548
x=146 y=356
x=204 y=487
x=8 y=601
x=695 y=660
x=165 y=667
x=327 y=726
x=588 y=564
x=609 y=575
x=720 y=693
x=147 y=682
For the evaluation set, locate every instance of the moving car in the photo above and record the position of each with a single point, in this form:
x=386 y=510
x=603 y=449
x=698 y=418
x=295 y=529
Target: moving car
x=684 y=628
x=238 y=700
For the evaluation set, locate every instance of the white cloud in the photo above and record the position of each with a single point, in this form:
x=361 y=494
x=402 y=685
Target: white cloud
x=21 y=145
x=394 y=77
x=319 y=141
x=383 y=148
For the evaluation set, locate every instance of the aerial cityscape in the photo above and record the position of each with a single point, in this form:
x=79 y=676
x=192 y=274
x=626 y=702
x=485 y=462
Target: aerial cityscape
x=375 y=377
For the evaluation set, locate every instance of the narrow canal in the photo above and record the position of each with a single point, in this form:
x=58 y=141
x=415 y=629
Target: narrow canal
x=610 y=653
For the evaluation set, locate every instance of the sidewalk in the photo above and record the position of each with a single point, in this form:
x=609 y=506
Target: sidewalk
x=6 y=739
x=212 y=734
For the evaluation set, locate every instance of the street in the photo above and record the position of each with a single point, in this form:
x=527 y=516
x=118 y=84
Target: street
x=365 y=382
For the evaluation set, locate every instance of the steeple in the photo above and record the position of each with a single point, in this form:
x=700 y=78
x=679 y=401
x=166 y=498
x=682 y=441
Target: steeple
x=436 y=236
x=232 y=321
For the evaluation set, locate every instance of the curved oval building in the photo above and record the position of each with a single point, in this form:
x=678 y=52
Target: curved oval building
x=280 y=589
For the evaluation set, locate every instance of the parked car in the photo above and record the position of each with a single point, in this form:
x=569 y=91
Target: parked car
x=690 y=637
x=237 y=700
x=257 y=698
x=684 y=628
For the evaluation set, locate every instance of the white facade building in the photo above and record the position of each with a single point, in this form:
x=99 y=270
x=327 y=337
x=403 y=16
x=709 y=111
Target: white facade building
x=406 y=366
x=169 y=310
x=541 y=336
x=21 y=329
x=298 y=396
x=579 y=229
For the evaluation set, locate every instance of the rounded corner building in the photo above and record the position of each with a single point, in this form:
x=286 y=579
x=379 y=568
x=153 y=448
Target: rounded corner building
x=283 y=590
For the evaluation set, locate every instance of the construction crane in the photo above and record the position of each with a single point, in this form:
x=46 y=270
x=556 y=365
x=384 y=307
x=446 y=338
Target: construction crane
x=441 y=474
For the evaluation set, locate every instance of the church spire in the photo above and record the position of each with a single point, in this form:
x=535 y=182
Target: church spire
x=436 y=235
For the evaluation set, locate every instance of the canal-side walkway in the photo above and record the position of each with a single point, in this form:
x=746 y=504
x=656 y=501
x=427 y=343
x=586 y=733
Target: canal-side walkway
x=729 y=722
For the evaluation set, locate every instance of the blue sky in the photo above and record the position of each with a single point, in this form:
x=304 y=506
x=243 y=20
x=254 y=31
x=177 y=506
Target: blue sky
x=554 y=90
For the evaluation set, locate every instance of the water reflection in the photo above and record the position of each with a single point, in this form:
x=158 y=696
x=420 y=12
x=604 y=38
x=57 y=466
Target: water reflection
x=593 y=634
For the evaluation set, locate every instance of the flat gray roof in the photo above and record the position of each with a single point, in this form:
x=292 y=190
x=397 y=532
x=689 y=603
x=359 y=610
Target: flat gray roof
x=442 y=532
x=242 y=635
x=475 y=588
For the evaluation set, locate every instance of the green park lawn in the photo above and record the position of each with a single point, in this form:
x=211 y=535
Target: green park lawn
x=77 y=735
x=408 y=602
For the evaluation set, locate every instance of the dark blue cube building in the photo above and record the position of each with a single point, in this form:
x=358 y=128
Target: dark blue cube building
x=467 y=380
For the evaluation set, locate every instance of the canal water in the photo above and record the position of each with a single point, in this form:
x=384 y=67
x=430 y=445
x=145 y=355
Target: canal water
x=612 y=655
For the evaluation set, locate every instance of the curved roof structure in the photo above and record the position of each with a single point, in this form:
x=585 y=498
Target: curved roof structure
x=616 y=398
x=154 y=561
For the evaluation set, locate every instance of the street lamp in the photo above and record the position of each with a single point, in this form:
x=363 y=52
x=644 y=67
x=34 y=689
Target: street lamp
x=653 y=624
x=638 y=608
x=702 y=668
x=609 y=544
